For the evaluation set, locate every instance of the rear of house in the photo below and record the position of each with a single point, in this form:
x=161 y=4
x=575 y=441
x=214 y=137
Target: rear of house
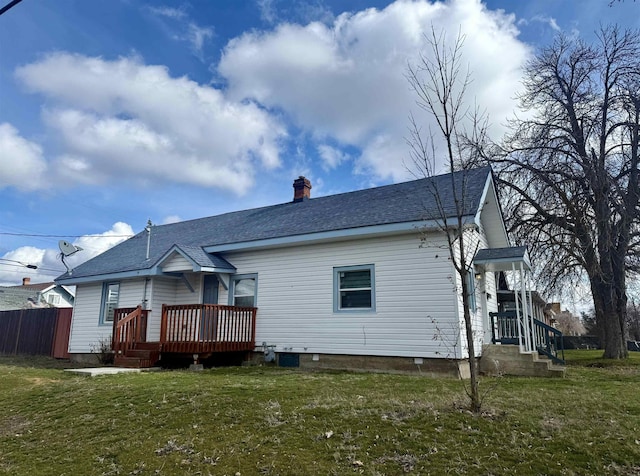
x=356 y=280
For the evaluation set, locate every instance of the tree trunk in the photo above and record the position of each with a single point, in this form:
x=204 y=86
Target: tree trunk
x=610 y=318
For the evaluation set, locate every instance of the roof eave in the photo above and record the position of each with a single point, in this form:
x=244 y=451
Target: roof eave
x=344 y=234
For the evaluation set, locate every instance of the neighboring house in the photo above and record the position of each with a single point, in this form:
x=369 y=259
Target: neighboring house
x=38 y=295
x=566 y=321
x=360 y=279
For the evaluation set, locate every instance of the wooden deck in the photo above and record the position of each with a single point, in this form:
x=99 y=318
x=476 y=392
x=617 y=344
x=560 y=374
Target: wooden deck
x=205 y=328
x=185 y=329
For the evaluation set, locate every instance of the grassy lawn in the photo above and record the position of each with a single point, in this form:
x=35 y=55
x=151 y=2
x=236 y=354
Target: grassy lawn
x=267 y=421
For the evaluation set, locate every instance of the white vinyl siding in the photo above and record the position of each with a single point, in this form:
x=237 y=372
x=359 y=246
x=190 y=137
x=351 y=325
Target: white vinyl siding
x=86 y=329
x=417 y=311
x=474 y=240
x=184 y=295
x=177 y=262
x=413 y=287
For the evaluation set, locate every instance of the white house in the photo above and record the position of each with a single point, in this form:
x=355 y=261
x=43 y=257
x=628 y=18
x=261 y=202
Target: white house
x=359 y=280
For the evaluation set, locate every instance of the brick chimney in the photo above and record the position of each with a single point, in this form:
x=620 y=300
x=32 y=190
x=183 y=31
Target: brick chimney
x=301 y=189
x=26 y=281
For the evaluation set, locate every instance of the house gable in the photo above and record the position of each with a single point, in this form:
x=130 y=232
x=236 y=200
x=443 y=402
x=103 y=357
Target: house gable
x=489 y=217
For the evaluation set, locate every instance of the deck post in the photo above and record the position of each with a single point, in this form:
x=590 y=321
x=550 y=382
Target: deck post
x=163 y=325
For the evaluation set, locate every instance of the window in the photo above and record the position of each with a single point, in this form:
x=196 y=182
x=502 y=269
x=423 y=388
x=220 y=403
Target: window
x=354 y=288
x=110 y=294
x=53 y=299
x=243 y=290
x=471 y=289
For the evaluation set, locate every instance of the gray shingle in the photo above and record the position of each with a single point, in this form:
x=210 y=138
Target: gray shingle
x=204 y=259
x=399 y=203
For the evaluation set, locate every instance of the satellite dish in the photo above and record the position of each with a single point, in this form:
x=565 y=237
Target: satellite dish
x=67 y=249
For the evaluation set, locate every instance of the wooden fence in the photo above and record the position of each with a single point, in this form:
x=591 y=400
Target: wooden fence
x=35 y=332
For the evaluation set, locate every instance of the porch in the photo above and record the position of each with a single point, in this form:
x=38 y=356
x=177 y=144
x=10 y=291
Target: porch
x=527 y=332
x=519 y=323
x=190 y=329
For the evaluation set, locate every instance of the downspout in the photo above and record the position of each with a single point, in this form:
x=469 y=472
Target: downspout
x=144 y=293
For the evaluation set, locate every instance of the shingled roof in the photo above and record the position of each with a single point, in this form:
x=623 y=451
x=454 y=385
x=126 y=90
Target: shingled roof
x=406 y=202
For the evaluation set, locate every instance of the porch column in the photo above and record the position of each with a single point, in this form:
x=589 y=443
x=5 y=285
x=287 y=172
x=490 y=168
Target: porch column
x=515 y=294
x=525 y=311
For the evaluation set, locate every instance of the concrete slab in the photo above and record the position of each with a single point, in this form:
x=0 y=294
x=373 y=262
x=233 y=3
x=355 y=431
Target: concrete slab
x=93 y=372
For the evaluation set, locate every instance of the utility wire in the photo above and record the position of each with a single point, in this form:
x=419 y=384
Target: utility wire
x=64 y=236
x=9 y=5
x=39 y=267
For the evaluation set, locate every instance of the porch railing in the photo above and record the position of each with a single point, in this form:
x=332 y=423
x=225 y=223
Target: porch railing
x=548 y=341
x=129 y=327
x=508 y=328
x=504 y=328
x=202 y=328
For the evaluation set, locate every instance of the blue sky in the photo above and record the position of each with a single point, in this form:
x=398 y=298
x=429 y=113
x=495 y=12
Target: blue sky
x=116 y=112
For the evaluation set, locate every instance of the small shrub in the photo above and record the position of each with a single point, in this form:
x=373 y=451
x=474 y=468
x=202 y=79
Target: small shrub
x=103 y=351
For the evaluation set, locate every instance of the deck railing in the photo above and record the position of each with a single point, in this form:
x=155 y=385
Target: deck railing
x=202 y=328
x=129 y=327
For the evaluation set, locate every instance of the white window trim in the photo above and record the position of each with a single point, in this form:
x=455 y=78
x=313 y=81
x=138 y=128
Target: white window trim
x=471 y=285
x=103 y=302
x=336 y=289
x=232 y=287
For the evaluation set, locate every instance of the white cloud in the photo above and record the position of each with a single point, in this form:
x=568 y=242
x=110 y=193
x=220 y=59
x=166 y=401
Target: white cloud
x=553 y=24
x=173 y=13
x=124 y=119
x=197 y=36
x=171 y=219
x=181 y=28
x=347 y=80
x=332 y=157
x=273 y=11
x=47 y=259
x=21 y=162
x=95 y=244
x=267 y=10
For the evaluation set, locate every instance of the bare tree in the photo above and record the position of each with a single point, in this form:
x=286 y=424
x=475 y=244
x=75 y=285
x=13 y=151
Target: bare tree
x=440 y=84
x=569 y=171
x=633 y=320
x=569 y=324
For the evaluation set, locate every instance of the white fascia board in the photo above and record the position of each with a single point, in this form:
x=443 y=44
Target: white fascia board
x=138 y=273
x=489 y=186
x=483 y=198
x=213 y=269
x=336 y=235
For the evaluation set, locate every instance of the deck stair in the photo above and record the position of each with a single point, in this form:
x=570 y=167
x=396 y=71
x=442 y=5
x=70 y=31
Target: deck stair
x=142 y=355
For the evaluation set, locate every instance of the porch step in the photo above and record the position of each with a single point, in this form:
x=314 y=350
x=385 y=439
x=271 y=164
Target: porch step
x=132 y=362
x=507 y=360
x=154 y=346
x=143 y=355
